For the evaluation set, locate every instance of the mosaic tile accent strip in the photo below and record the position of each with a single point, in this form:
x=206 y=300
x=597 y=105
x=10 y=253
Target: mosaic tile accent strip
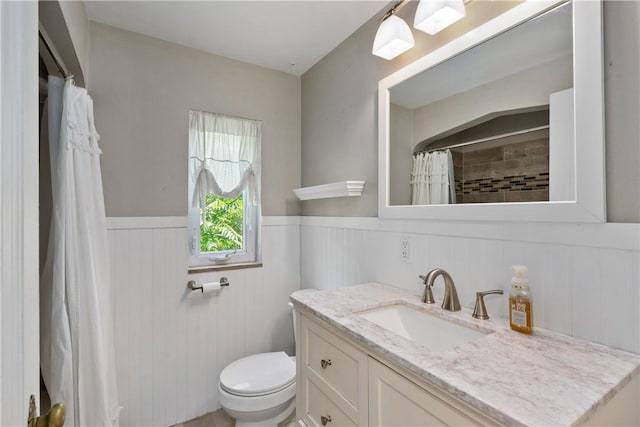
x=538 y=181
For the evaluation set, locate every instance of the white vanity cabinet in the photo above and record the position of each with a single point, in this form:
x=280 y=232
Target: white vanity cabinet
x=331 y=377
x=340 y=384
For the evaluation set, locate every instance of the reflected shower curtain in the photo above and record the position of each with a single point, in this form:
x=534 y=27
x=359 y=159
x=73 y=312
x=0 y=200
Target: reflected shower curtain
x=432 y=179
x=77 y=346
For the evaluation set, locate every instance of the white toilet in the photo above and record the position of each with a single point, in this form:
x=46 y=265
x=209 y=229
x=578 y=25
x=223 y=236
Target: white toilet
x=259 y=390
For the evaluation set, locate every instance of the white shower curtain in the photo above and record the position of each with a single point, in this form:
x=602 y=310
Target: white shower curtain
x=77 y=346
x=432 y=180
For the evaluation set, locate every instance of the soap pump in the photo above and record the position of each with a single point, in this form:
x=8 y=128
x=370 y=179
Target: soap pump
x=520 y=310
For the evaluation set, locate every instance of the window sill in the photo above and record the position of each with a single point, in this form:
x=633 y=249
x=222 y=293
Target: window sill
x=223 y=267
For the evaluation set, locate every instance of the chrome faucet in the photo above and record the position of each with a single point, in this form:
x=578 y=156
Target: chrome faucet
x=450 y=301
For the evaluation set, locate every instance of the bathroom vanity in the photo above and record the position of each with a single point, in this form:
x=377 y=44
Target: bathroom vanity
x=363 y=359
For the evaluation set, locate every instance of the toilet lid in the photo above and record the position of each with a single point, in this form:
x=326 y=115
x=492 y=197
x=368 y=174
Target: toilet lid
x=258 y=374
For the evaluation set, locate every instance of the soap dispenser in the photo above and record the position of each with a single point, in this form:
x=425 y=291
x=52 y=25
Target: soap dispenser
x=520 y=310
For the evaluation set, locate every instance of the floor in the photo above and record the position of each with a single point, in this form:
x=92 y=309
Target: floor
x=216 y=419
x=212 y=419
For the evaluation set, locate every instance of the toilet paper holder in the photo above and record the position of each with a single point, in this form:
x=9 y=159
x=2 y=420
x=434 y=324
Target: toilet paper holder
x=192 y=285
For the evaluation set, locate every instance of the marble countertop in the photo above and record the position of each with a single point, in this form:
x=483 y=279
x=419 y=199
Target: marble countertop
x=517 y=379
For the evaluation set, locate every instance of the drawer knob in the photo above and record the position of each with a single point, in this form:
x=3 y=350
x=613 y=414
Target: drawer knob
x=324 y=363
x=324 y=420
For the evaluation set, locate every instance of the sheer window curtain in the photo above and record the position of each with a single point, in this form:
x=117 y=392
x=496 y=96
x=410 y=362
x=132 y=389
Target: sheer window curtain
x=432 y=179
x=224 y=156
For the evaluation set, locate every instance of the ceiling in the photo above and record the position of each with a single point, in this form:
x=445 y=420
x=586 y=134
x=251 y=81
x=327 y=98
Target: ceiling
x=289 y=36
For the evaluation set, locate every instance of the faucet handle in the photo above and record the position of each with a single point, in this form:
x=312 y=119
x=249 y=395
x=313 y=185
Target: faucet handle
x=480 y=310
x=427 y=297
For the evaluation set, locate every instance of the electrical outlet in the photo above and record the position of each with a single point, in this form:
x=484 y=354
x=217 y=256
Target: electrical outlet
x=406 y=250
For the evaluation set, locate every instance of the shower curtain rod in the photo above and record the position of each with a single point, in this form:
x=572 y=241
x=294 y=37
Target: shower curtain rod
x=46 y=41
x=491 y=138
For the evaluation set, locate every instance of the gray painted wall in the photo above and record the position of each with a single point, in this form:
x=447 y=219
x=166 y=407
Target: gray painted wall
x=143 y=88
x=400 y=154
x=339 y=111
x=67 y=25
x=75 y=16
x=622 y=109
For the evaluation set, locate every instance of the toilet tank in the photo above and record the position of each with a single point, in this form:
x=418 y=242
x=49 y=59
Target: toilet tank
x=293 y=315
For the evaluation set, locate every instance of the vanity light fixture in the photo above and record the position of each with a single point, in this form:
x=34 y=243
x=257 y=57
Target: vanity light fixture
x=393 y=36
x=432 y=16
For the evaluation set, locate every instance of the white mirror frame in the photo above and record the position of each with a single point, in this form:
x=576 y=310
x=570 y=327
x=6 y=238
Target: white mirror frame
x=588 y=78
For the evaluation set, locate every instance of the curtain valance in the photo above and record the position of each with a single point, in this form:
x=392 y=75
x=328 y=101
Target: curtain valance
x=224 y=156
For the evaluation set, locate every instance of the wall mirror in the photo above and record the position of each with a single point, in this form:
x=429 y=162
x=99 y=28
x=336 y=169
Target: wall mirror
x=503 y=123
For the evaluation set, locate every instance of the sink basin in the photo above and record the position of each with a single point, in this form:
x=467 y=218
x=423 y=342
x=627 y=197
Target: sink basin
x=427 y=330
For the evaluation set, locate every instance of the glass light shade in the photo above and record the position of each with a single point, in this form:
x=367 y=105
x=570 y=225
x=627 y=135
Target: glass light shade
x=433 y=16
x=393 y=38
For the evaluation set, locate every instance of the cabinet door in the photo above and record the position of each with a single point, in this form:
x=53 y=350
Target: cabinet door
x=396 y=401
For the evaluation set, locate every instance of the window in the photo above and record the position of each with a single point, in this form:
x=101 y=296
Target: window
x=224 y=189
x=221 y=224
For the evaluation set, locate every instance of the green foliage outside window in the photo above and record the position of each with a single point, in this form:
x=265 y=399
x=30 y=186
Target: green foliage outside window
x=221 y=224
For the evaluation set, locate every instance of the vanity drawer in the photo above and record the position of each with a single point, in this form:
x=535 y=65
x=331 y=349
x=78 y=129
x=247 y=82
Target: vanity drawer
x=336 y=366
x=321 y=411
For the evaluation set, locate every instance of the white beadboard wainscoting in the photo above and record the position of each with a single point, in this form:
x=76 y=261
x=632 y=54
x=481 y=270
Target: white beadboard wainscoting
x=172 y=343
x=585 y=279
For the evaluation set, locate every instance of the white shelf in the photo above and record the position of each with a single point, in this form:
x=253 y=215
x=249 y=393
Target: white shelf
x=335 y=189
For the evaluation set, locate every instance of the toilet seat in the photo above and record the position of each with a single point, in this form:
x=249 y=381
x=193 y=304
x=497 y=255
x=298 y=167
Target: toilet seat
x=258 y=375
x=247 y=404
